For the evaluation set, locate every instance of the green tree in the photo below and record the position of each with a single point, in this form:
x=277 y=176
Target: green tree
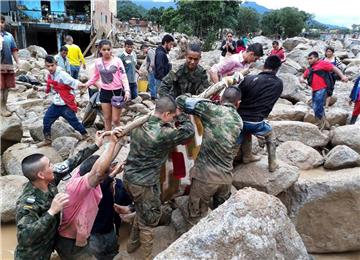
x=154 y=15
x=248 y=20
x=127 y=10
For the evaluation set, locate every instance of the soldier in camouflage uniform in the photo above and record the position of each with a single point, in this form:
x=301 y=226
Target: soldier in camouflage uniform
x=189 y=78
x=38 y=207
x=149 y=149
x=212 y=171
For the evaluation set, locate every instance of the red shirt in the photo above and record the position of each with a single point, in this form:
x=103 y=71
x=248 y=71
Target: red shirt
x=318 y=82
x=280 y=53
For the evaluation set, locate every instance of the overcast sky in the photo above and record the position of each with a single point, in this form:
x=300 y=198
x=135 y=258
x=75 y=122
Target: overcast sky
x=341 y=12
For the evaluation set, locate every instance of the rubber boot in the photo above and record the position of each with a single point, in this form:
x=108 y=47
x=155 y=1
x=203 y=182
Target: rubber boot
x=47 y=142
x=134 y=238
x=237 y=155
x=246 y=149
x=146 y=241
x=353 y=120
x=4 y=96
x=271 y=150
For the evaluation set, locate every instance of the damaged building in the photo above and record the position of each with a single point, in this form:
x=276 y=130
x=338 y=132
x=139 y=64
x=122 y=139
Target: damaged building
x=46 y=23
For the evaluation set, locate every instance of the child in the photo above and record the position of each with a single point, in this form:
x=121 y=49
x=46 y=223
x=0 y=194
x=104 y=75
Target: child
x=62 y=85
x=355 y=97
x=62 y=60
x=114 y=82
x=128 y=57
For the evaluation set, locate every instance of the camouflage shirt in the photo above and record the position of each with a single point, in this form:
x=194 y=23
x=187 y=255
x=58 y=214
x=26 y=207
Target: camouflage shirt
x=183 y=81
x=36 y=228
x=150 y=146
x=222 y=125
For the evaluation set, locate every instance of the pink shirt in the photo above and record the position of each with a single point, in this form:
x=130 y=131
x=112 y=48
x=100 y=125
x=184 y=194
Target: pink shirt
x=80 y=212
x=229 y=65
x=112 y=74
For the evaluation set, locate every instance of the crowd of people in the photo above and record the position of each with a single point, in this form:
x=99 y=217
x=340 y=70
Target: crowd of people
x=94 y=200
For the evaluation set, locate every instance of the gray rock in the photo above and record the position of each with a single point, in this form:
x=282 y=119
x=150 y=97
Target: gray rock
x=25 y=66
x=37 y=51
x=290 y=66
x=300 y=155
x=347 y=135
x=11 y=131
x=257 y=175
x=324 y=206
x=250 y=225
x=24 y=54
x=58 y=129
x=341 y=156
x=13 y=156
x=292 y=88
x=288 y=112
x=64 y=145
x=11 y=187
x=290 y=43
x=306 y=133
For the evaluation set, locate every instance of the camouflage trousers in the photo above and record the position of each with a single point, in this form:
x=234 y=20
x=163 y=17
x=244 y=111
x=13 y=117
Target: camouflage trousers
x=201 y=194
x=148 y=213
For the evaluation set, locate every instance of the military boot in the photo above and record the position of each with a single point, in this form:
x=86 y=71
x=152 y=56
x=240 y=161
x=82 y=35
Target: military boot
x=147 y=240
x=246 y=149
x=134 y=238
x=237 y=155
x=271 y=150
x=46 y=142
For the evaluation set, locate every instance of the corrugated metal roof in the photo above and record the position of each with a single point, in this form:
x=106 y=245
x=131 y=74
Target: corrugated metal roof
x=71 y=26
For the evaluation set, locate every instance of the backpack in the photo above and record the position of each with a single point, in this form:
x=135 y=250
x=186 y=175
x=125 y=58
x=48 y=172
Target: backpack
x=327 y=76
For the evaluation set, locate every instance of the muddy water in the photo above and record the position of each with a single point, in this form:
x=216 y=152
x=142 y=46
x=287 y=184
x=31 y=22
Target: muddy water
x=8 y=244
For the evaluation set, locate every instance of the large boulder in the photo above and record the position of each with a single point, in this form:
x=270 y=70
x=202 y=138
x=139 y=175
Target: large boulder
x=11 y=187
x=58 y=129
x=11 y=131
x=341 y=156
x=290 y=43
x=288 y=112
x=64 y=145
x=24 y=54
x=37 y=51
x=300 y=155
x=257 y=175
x=347 y=135
x=303 y=132
x=324 y=207
x=299 y=56
x=13 y=156
x=292 y=88
x=290 y=66
x=250 y=225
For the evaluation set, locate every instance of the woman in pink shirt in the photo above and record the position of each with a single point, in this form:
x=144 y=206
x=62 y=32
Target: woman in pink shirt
x=111 y=72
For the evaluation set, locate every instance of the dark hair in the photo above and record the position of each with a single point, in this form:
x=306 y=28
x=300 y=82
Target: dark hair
x=104 y=42
x=50 y=59
x=2 y=18
x=314 y=53
x=275 y=43
x=231 y=95
x=63 y=48
x=229 y=33
x=330 y=48
x=129 y=42
x=143 y=46
x=256 y=48
x=272 y=62
x=87 y=165
x=165 y=104
x=195 y=47
x=31 y=165
x=167 y=38
x=240 y=43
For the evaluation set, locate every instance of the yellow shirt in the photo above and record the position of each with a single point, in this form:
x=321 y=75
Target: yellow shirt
x=75 y=55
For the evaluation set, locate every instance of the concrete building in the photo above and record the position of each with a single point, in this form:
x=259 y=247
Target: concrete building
x=46 y=23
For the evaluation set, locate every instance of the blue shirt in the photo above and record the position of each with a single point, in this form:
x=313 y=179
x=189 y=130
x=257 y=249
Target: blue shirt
x=8 y=46
x=63 y=62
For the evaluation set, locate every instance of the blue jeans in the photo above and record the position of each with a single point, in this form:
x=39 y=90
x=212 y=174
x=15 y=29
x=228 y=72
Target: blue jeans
x=74 y=71
x=152 y=85
x=54 y=112
x=133 y=90
x=318 y=101
x=157 y=83
x=250 y=128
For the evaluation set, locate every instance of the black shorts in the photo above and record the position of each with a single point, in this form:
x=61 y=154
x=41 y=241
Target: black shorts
x=106 y=95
